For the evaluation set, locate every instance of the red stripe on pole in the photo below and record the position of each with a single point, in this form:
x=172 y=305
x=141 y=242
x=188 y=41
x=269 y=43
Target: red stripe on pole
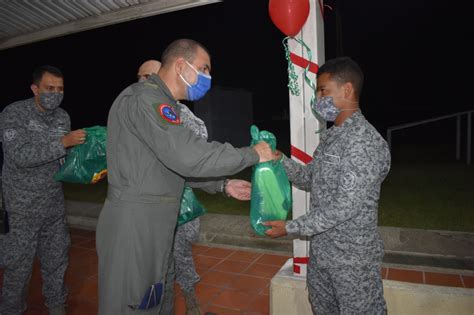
x=296 y=269
x=303 y=63
x=301 y=260
x=300 y=155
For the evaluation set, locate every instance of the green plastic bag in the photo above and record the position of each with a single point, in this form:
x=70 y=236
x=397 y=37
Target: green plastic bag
x=271 y=190
x=191 y=208
x=86 y=163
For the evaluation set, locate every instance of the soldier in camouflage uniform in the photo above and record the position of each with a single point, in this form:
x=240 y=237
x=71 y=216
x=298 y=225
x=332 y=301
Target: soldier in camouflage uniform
x=344 y=179
x=188 y=233
x=36 y=133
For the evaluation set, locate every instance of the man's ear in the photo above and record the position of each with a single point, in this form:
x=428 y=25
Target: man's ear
x=348 y=90
x=34 y=89
x=179 y=65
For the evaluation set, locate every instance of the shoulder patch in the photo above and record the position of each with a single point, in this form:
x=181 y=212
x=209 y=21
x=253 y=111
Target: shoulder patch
x=349 y=181
x=167 y=113
x=9 y=135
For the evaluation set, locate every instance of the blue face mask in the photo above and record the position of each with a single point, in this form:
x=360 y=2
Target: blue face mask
x=197 y=90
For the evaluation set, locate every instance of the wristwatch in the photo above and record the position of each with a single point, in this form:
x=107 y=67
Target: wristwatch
x=224 y=185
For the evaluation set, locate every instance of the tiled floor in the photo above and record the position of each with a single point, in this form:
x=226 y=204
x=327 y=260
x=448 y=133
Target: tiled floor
x=232 y=281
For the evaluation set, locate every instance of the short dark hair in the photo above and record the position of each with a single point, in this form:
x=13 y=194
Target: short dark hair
x=185 y=48
x=40 y=71
x=343 y=70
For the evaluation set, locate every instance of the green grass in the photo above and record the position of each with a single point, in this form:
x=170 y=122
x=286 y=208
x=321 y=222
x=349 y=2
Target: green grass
x=436 y=195
x=215 y=203
x=430 y=196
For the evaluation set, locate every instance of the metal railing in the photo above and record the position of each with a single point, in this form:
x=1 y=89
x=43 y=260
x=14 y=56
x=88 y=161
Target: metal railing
x=458 y=131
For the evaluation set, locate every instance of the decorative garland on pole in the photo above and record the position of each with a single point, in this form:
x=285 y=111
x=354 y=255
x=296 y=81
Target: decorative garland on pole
x=290 y=16
x=293 y=77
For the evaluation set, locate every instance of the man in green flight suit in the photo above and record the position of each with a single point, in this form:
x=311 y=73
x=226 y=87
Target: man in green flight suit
x=149 y=155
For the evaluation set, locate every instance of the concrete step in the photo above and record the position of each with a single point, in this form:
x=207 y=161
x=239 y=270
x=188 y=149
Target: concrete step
x=413 y=247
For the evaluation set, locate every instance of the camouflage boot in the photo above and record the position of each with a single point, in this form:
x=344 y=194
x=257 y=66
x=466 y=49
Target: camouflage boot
x=192 y=304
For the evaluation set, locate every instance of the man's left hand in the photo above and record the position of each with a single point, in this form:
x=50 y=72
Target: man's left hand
x=238 y=189
x=278 y=228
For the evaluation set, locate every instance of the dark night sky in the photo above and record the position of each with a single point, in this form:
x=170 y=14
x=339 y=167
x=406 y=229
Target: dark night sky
x=414 y=54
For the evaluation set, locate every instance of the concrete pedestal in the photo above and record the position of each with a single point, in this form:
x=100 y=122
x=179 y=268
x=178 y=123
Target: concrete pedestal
x=289 y=296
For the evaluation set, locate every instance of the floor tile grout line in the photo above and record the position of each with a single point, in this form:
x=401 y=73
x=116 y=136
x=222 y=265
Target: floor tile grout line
x=227 y=307
x=252 y=263
x=221 y=262
x=245 y=274
x=270 y=265
x=253 y=299
x=250 y=274
x=207 y=249
x=240 y=275
x=221 y=290
x=247 y=250
x=233 y=288
x=424 y=281
x=407 y=268
x=201 y=276
x=223 y=258
x=281 y=256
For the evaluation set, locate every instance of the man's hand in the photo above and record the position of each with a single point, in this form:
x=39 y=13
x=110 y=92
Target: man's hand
x=74 y=138
x=278 y=228
x=238 y=189
x=264 y=151
x=277 y=155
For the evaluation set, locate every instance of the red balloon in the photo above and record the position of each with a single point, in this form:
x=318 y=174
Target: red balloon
x=289 y=15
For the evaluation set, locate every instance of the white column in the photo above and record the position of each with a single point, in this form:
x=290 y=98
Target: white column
x=302 y=122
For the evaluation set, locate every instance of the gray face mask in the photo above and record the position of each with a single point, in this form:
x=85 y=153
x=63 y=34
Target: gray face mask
x=324 y=107
x=51 y=100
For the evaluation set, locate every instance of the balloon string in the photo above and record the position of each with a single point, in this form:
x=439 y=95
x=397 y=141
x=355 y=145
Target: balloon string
x=293 y=77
